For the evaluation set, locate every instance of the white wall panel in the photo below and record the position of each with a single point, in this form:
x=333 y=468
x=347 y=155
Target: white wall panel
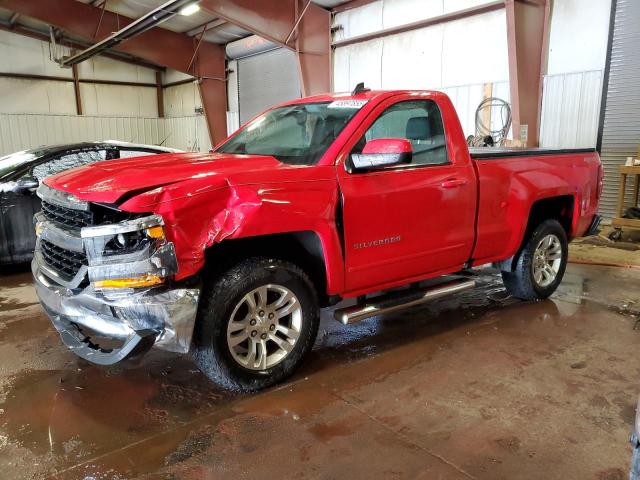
x=363 y=63
x=19 y=132
x=24 y=55
x=384 y=14
x=474 y=49
x=401 y=12
x=181 y=100
x=20 y=54
x=578 y=35
x=36 y=96
x=570 y=110
x=431 y=57
x=359 y=21
x=112 y=100
x=341 y=80
x=412 y=59
x=102 y=68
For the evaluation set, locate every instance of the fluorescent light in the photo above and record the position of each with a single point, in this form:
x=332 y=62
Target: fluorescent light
x=189 y=9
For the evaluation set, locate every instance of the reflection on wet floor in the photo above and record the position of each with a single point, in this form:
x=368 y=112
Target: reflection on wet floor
x=475 y=386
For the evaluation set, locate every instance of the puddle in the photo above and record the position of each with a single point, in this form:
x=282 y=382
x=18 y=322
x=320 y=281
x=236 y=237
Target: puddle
x=162 y=416
x=74 y=414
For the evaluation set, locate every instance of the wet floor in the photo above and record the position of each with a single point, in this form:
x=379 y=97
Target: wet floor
x=475 y=386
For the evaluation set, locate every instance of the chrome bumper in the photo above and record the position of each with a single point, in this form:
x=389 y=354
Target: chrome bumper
x=136 y=321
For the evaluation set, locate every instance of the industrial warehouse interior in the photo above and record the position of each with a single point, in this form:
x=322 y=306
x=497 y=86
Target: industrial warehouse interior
x=319 y=239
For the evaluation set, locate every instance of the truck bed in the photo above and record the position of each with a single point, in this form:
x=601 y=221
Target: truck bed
x=480 y=153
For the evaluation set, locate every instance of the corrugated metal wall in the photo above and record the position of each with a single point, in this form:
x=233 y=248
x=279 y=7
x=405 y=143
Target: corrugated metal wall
x=621 y=129
x=266 y=79
x=571 y=110
x=23 y=131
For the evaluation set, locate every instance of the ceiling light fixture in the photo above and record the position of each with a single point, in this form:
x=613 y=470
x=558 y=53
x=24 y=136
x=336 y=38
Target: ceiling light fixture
x=189 y=9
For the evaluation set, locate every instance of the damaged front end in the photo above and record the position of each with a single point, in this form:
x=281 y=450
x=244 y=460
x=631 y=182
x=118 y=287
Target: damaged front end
x=104 y=278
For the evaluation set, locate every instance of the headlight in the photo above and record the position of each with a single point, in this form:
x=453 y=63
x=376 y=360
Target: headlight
x=130 y=254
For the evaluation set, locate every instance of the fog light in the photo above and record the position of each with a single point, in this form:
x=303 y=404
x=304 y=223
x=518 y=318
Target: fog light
x=144 y=281
x=39 y=227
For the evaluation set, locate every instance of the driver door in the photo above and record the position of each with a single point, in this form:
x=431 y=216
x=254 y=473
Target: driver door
x=409 y=221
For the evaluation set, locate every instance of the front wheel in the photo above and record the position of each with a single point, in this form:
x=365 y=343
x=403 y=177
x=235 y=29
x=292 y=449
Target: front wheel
x=255 y=325
x=540 y=265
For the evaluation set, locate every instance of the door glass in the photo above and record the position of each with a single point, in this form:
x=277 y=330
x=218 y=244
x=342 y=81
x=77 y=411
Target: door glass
x=66 y=162
x=420 y=122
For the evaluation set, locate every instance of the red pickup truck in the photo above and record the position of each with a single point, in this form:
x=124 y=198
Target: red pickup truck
x=230 y=255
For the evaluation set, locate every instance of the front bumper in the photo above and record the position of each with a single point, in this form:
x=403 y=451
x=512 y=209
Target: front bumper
x=104 y=286
x=134 y=322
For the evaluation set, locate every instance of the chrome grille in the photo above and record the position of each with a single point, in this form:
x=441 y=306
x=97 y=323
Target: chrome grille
x=67 y=217
x=65 y=262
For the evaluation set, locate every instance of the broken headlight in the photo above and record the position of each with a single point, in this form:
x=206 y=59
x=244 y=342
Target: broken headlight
x=129 y=254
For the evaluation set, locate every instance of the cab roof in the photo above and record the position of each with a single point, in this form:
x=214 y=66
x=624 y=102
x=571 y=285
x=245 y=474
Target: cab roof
x=365 y=95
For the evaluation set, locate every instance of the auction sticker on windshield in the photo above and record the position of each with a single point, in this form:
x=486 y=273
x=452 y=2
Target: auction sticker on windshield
x=347 y=104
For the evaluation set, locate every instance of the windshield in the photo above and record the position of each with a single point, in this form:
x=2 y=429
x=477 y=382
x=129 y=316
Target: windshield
x=295 y=134
x=13 y=161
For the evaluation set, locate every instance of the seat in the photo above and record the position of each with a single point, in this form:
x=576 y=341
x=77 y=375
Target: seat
x=426 y=135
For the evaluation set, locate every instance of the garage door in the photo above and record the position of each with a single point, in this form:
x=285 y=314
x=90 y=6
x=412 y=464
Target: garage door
x=266 y=79
x=621 y=126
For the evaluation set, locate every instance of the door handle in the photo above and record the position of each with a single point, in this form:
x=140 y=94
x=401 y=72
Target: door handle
x=453 y=183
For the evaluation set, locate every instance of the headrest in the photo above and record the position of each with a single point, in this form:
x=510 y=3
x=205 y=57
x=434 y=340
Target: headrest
x=418 y=128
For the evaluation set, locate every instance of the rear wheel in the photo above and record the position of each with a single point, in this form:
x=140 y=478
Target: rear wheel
x=256 y=323
x=540 y=265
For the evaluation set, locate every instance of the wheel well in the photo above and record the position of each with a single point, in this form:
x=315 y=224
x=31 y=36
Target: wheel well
x=558 y=208
x=300 y=248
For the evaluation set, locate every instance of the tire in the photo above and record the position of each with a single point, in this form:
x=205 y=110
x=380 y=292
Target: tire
x=522 y=282
x=227 y=303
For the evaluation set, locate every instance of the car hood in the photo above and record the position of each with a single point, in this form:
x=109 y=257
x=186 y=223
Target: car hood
x=110 y=180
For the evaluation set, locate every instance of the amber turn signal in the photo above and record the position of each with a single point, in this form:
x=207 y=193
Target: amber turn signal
x=144 y=281
x=155 y=232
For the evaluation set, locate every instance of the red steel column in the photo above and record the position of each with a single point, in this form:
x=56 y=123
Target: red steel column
x=527 y=29
x=275 y=21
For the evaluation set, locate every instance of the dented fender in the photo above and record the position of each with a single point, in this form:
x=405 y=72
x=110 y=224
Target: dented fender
x=202 y=212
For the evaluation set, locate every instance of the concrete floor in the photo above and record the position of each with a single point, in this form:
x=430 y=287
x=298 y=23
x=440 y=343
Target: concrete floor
x=478 y=386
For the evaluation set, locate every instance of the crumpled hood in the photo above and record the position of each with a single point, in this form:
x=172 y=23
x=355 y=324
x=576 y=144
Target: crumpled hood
x=109 y=180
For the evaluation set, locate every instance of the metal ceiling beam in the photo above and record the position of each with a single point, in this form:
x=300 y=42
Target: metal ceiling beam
x=157 y=45
x=151 y=19
x=283 y=23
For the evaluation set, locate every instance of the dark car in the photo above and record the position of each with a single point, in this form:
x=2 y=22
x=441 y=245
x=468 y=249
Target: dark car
x=22 y=172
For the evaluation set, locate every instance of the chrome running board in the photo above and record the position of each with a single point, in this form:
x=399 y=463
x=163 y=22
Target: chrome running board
x=391 y=303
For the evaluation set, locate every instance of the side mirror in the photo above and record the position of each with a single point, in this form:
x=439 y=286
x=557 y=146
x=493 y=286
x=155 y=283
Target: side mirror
x=382 y=153
x=25 y=183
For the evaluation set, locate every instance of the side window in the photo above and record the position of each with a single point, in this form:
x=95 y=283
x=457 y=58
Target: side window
x=420 y=122
x=66 y=162
x=135 y=153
